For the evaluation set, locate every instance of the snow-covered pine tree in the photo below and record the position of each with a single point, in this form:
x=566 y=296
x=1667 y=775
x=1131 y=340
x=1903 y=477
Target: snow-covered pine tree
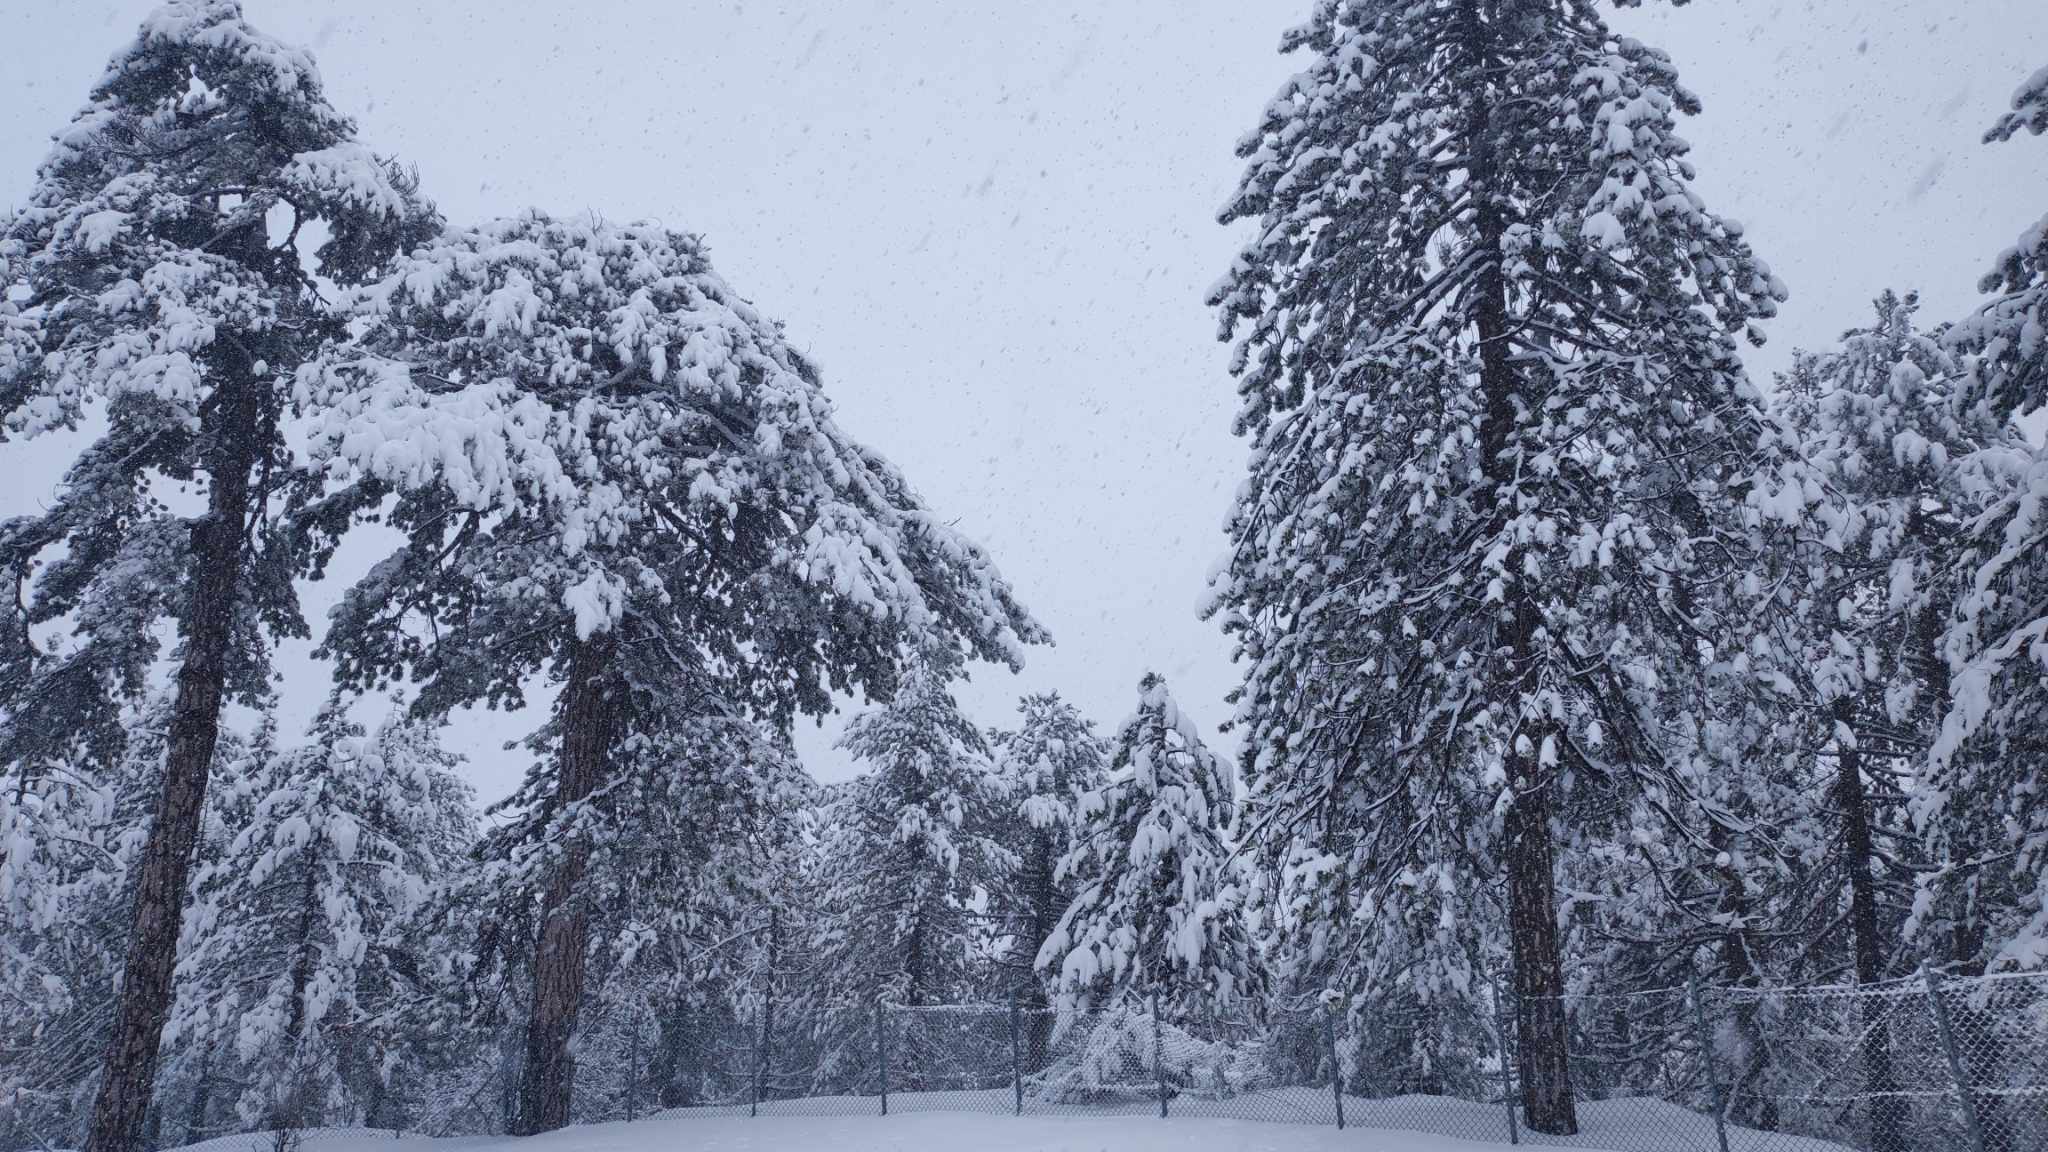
x=1877 y=420
x=1869 y=591
x=1047 y=763
x=689 y=853
x=1484 y=349
x=1981 y=796
x=295 y=934
x=1156 y=911
x=2006 y=338
x=165 y=280
x=906 y=847
x=712 y=902
x=623 y=478
x=194 y=1096
x=73 y=832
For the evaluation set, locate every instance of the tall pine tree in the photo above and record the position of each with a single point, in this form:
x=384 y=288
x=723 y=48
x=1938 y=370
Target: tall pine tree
x=1981 y=795
x=622 y=478
x=1484 y=349
x=1047 y=764
x=165 y=279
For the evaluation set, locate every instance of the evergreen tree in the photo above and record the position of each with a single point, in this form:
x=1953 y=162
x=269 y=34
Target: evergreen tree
x=1155 y=909
x=165 y=280
x=622 y=477
x=74 y=832
x=1046 y=764
x=1486 y=359
x=2006 y=339
x=1980 y=796
x=1876 y=421
x=689 y=856
x=909 y=843
x=295 y=935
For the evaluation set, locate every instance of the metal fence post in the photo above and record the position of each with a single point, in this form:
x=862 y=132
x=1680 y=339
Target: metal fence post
x=1706 y=1043
x=1159 y=1065
x=1964 y=1100
x=882 y=1049
x=1336 y=1065
x=1507 y=1079
x=1016 y=1057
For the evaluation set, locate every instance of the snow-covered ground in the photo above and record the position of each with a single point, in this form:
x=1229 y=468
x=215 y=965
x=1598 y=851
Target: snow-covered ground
x=913 y=1132
x=963 y=1121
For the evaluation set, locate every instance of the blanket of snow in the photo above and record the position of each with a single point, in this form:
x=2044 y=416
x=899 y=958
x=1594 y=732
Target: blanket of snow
x=936 y=1121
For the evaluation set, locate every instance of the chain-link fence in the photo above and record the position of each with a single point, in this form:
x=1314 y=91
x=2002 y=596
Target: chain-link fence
x=1915 y=1065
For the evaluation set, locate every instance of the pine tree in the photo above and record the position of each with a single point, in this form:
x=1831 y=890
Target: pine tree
x=296 y=928
x=165 y=280
x=689 y=855
x=1980 y=795
x=908 y=844
x=1050 y=761
x=1155 y=910
x=74 y=833
x=1876 y=420
x=2006 y=339
x=623 y=478
x=1486 y=359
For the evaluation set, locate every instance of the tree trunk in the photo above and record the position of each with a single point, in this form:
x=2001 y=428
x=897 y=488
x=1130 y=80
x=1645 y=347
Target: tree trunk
x=128 y=1077
x=547 y=1078
x=1045 y=910
x=1543 y=1038
x=1887 y=1111
x=1542 y=1030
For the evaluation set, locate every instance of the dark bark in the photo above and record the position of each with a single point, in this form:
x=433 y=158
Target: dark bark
x=1543 y=1039
x=128 y=1076
x=1542 y=1030
x=1042 y=916
x=1887 y=1110
x=590 y=707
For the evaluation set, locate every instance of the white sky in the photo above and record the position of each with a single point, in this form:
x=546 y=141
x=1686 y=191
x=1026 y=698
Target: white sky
x=993 y=225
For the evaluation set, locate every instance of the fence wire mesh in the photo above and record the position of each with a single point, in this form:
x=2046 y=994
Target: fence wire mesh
x=1914 y=1065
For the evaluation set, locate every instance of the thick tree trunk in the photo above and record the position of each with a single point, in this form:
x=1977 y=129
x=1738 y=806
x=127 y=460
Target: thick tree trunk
x=1887 y=1111
x=547 y=1078
x=1542 y=1031
x=128 y=1078
x=1042 y=917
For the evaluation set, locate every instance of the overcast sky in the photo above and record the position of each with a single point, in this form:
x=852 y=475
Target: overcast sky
x=993 y=225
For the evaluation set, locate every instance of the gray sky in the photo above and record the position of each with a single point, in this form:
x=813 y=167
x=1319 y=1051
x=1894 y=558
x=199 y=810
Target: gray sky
x=994 y=225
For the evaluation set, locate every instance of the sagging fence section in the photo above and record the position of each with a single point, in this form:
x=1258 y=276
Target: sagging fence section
x=1916 y=1065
